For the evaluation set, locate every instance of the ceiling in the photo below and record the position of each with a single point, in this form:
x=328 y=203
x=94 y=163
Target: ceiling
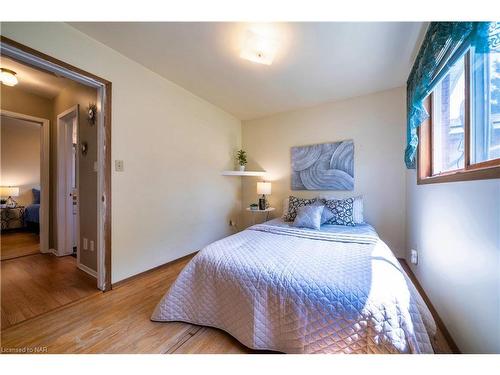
x=314 y=62
x=35 y=81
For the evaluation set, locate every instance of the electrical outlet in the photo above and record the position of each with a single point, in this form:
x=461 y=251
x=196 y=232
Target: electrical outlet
x=119 y=165
x=85 y=244
x=414 y=256
x=91 y=245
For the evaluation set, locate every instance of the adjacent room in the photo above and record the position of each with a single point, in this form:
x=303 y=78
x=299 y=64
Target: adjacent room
x=49 y=192
x=239 y=187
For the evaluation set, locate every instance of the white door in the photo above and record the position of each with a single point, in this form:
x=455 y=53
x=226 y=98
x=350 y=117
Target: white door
x=67 y=182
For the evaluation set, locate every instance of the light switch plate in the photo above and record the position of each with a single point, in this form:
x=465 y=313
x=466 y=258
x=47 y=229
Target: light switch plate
x=414 y=256
x=119 y=165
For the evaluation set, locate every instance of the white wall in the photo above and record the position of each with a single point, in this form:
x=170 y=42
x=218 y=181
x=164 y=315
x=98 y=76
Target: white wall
x=375 y=122
x=171 y=199
x=456 y=229
x=20 y=157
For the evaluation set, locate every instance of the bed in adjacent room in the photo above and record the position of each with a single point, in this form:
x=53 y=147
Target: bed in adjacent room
x=32 y=213
x=277 y=287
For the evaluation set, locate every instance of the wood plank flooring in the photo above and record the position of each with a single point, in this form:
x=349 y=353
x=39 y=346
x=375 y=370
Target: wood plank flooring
x=119 y=322
x=18 y=244
x=35 y=284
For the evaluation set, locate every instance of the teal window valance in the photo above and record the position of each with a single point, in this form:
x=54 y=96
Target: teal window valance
x=443 y=45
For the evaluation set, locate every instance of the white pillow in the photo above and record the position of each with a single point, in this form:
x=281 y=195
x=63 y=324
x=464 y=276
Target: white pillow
x=357 y=206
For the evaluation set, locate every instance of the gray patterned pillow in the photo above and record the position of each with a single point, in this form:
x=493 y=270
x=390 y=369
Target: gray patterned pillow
x=327 y=214
x=342 y=210
x=309 y=217
x=293 y=204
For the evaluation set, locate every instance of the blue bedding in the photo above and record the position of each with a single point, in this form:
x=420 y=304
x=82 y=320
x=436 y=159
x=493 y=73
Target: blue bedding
x=32 y=213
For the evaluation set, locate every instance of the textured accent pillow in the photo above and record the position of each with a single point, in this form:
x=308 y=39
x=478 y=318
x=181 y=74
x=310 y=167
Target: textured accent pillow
x=293 y=204
x=342 y=210
x=327 y=215
x=309 y=216
x=285 y=208
x=357 y=208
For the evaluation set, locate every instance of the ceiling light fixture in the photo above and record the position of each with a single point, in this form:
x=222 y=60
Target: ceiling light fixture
x=8 y=77
x=258 y=48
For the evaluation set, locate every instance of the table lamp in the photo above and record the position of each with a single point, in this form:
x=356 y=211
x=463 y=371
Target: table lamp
x=9 y=191
x=263 y=188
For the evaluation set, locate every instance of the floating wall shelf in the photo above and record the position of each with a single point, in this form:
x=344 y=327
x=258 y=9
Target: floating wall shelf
x=244 y=173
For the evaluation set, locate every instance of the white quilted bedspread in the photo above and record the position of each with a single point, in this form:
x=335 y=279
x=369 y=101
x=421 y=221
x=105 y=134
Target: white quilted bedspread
x=301 y=291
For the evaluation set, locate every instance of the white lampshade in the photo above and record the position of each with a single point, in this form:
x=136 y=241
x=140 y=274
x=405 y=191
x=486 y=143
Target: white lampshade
x=9 y=191
x=263 y=188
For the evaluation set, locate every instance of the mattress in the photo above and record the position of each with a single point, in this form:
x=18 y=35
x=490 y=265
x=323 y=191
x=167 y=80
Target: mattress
x=275 y=287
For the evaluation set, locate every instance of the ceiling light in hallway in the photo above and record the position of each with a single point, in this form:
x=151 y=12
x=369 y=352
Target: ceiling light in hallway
x=8 y=77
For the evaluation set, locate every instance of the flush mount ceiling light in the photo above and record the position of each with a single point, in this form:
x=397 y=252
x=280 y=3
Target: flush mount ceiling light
x=258 y=48
x=8 y=77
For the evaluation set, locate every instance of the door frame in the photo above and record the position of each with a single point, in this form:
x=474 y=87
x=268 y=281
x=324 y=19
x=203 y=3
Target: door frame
x=44 y=172
x=63 y=209
x=39 y=60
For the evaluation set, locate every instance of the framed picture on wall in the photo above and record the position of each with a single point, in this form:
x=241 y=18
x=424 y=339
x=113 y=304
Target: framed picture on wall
x=326 y=166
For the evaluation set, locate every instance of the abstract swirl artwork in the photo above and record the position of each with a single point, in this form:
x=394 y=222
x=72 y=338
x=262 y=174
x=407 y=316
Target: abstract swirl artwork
x=327 y=166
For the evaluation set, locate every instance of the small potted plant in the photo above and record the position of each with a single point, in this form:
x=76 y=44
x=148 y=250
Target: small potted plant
x=241 y=158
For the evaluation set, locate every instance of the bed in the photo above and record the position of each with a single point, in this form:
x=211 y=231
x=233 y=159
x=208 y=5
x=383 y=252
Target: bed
x=280 y=288
x=32 y=217
x=32 y=212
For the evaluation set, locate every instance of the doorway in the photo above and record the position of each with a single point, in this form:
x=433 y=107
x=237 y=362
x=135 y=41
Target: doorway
x=70 y=258
x=25 y=185
x=102 y=126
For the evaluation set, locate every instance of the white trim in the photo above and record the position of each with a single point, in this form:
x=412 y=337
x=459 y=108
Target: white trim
x=63 y=207
x=101 y=279
x=44 y=173
x=86 y=269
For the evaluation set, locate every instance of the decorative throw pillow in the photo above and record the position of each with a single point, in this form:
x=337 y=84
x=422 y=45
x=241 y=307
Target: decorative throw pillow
x=327 y=215
x=309 y=216
x=293 y=204
x=357 y=208
x=342 y=210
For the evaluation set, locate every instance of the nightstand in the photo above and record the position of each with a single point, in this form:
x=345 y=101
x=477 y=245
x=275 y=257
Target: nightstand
x=12 y=217
x=254 y=212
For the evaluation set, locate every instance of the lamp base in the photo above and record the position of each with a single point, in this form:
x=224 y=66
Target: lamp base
x=262 y=203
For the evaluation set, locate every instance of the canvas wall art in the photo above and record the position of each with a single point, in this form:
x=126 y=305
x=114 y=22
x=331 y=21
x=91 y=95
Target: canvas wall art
x=327 y=166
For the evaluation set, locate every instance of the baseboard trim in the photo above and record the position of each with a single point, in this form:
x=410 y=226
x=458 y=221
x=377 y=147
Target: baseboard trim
x=142 y=274
x=86 y=269
x=437 y=318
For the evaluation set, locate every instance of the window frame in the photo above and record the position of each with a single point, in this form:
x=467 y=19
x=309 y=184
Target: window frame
x=489 y=169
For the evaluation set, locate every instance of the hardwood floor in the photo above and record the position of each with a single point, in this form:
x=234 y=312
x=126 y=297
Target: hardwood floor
x=18 y=244
x=119 y=322
x=35 y=284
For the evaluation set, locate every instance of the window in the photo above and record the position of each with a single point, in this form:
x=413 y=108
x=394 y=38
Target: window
x=461 y=139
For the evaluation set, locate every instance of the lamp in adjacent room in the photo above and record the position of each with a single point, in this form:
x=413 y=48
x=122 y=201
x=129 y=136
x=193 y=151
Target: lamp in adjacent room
x=263 y=188
x=9 y=191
